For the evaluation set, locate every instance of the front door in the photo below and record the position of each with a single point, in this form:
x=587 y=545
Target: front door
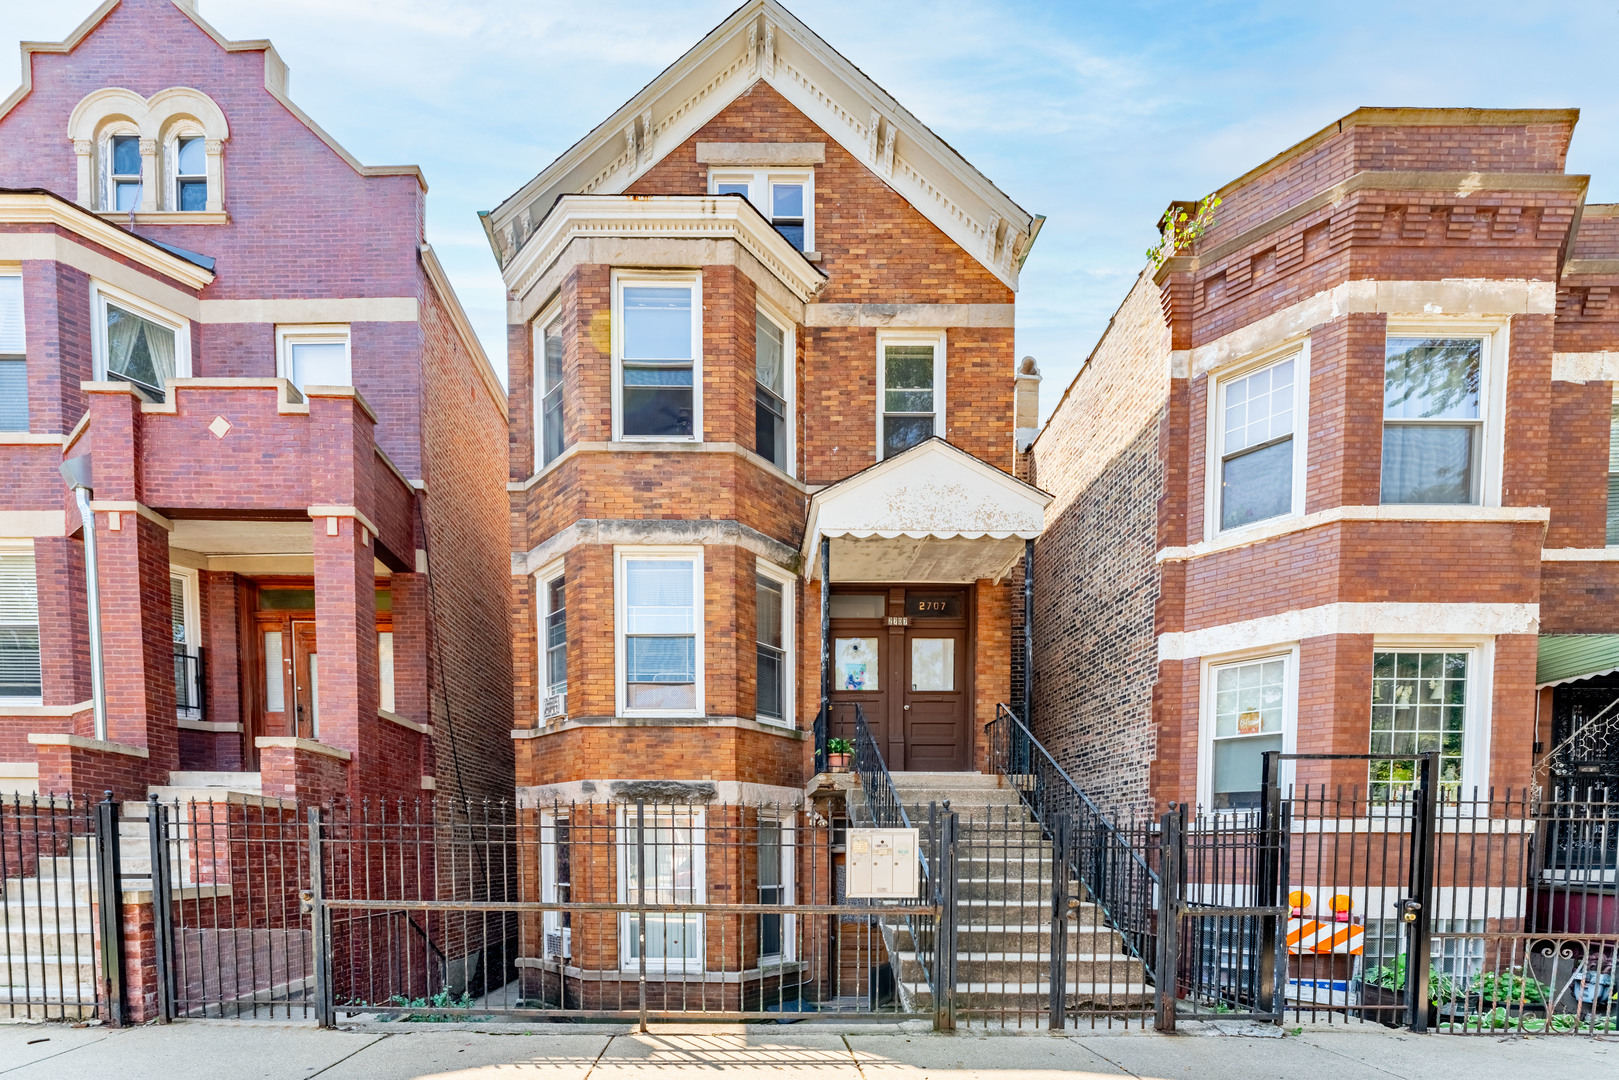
x=935 y=703
x=305 y=679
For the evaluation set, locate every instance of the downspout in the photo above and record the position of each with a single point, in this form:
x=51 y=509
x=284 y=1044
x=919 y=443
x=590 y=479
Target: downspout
x=76 y=471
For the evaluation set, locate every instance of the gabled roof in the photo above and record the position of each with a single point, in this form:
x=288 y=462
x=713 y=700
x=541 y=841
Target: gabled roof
x=762 y=40
x=275 y=79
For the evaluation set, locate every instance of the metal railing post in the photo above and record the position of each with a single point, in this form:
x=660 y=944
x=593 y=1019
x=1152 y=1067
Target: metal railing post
x=1269 y=884
x=944 y=946
x=110 y=900
x=320 y=925
x=1171 y=872
x=162 y=907
x=1057 y=1016
x=640 y=904
x=1419 y=912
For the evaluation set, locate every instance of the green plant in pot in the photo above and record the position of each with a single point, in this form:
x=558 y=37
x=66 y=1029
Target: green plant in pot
x=1385 y=985
x=838 y=753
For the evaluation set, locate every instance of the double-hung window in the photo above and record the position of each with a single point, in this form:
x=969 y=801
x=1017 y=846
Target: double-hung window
x=1250 y=718
x=184 y=611
x=554 y=643
x=910 y=391
x=315 y=356
x=1420 y=701
x=138 y=343
x=20 y=682
x=121 y=178
x=188 y=169
x=773 y=637
x=660 y=599
x=556 y=882
x=549 y=440
x=772 y=375
x=666 y=845
x=659 y=347
x=775 y=875
x=13 y=356
x=1433 y=419
x=1255 y=426
x=785 y=198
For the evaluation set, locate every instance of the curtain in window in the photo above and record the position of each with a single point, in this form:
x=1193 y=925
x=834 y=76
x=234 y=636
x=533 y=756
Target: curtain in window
x=139 y=350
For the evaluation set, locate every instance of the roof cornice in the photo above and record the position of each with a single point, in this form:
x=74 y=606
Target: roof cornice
x=666 y=217
x=41 y=207
x=762 y=41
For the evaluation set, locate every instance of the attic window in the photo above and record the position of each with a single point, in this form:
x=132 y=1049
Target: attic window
x=785 y=197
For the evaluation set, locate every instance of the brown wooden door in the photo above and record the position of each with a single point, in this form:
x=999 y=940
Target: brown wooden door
x=861 y=672
x=275 y=661
x=935 y=698
x=306 y=679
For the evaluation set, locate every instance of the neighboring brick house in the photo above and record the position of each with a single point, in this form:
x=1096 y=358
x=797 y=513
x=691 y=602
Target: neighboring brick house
x=295 y=440
x=758 y=315
x=1334 y=479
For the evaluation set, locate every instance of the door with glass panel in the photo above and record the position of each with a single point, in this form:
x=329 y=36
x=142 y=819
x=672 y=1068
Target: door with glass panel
x=860 y=671
x=305 y=680
x=934 y=705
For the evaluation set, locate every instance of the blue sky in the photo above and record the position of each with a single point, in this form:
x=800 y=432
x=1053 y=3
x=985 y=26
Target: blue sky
x=1093 y=114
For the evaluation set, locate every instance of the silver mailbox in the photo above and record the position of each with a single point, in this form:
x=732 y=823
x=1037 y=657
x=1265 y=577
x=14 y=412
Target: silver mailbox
x=883 y=864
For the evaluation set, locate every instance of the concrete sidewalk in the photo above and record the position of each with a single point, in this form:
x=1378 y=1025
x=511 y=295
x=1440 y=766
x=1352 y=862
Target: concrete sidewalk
x=267 y=1051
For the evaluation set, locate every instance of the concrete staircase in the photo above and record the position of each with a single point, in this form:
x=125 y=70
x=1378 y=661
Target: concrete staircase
x=48 y=959
x=1003 y=887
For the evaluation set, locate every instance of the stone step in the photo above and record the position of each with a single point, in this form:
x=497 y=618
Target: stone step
x=52 y=1007
x=234 y=781
x=1026 y=967
x=52 y=975
x=32 y=940
x=1016 y=890
x=1035 y=995
x=1030 y=938
x=931 y=781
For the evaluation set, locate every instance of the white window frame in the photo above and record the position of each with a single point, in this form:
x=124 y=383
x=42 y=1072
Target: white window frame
x=789 y=683
x=8 y=273
x=20 y=546
x=542 y=601
x=171 y=166
x=101 y=295
x=386 y=687
x=1299 y=352
x=551 y=921
x=789 y=381
x=109 y=200
x=312 y=334
x=699 y=888
x=552 y=313
x=759 y=182
x=1492 y=396
x=1289 y=653
x=789 y=885
x=936 y=338
x=700 y=625
x=693 y=278
x=1480 y=699
x=193 y=603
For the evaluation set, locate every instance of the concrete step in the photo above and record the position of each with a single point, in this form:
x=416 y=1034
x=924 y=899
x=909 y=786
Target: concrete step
x=1027 y=967
x=1035 y=995
x=1019 y=890
x=45 y=1005
x=939 y=781
x=33 y=940
x=233 y=781
x=52 y=975
x=1030 y=938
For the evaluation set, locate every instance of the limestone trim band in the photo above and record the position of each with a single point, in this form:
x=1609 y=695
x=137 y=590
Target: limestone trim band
x=1390 y=619
x=1269 y=530
x=930 y=316
x=654 y=531
x=725 y=792
x=79 y=742
x=410 y=725
x=308 y=746
x=742 y=723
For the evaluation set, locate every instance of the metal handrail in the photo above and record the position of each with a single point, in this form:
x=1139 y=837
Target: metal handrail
x=1114 y=872
x=887 y=812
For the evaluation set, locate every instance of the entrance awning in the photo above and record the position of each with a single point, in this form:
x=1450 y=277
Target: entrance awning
x=1568 y=657
x=933 y=513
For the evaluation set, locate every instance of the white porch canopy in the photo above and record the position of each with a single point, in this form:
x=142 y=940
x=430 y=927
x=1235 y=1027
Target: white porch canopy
x=931 y=514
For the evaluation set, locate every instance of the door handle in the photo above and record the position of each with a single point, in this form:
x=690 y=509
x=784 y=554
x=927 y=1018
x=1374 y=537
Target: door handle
x=907 y=708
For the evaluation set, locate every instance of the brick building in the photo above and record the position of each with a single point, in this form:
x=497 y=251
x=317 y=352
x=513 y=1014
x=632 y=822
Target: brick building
x=1338 y=479
x=237 y=336
x=759 y=317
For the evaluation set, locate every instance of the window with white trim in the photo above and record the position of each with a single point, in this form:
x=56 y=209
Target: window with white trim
x=314 y=356
x=13 y=356
x=139 y=343
x=187 y=165
x=659 y=626
x=1255 y=427
x=1250 y=719
x=184 y=618
x=1433 y=419
x=910 y=391
x=774 y=856
x=773 y=629
x=385 y=670
x=1420 y=701
x=121 y=170
x=549 y=439
x=657 y=337
x=20 y=680
x=786 y=198
x=671 y=849
x=773 y=377
x=556 y=882
x=554 y=641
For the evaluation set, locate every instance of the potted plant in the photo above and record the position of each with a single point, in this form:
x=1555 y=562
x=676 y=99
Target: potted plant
x=838 y=753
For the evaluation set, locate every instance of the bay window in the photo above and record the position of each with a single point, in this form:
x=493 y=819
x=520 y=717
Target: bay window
x=658 y=349
x=772 y=375
x=1433 y=413
x=549 y=441
x=1420 y=703
x=1255 y=421
x=773 y=638
x=554 y=643
x=661 y=851
x=20 y=678
x=659 y=627
x=13 y=356
x=910 y=391
x=138 y=343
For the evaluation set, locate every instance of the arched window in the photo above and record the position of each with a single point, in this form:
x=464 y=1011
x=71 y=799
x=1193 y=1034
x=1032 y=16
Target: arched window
x=187 y=170
x=161 y=154
x=120 y=168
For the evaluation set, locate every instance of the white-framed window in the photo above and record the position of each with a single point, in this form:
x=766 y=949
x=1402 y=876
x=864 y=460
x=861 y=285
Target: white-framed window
x=138 y=342
x=659 y=626
x=314 y=356
x=186 y=163
x=773 y=635
x=20 y=678
x=775 y=379
x=185 y=618
x=786 y=198
x=13 y=356
x=668 y=843
x=552 y=612
x=1443 y=400
x=657 y=356
x=774 y=872
x=121 y=169
x=556 y=882
x=1250 y=705
x=1257 y=432
x=910 y=390
x=385 y=670
x=549 y=437
x=1430 y=696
